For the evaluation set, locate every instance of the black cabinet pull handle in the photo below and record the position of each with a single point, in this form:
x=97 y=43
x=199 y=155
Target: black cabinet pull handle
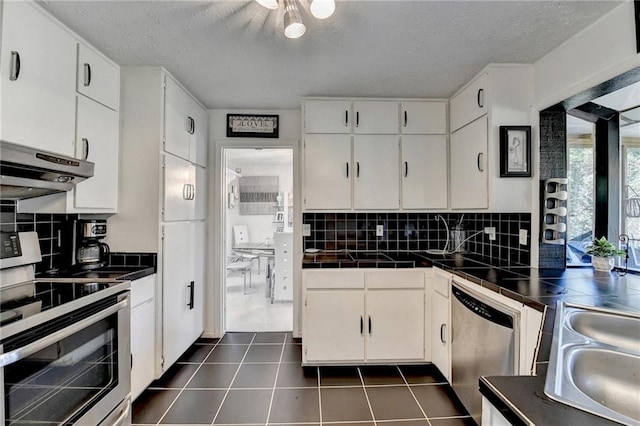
x=192 y=125
x=405 y=118
x=346 y=118
x=369 y=325
x=347 y=169
x=15 y=66
x=480 y=157
x=86 y=147
x=191 y=294
x=357 y=169
x=131 y=361
x=361 y=325
x=442 y=330
x=357 y=118
x=480 y=98
x=406 y=168
x=87 y=74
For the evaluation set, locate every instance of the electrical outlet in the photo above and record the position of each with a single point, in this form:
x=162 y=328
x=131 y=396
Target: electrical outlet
x=306 y=230
x=379 y=230
x=491 y=230
x=523 y=237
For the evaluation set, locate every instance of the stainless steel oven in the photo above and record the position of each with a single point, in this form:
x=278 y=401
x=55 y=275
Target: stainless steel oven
x=64 y=352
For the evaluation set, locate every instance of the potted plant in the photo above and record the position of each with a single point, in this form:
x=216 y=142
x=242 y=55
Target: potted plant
x=603 y=253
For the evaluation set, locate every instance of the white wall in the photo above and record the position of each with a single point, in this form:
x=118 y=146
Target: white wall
x=600 y=52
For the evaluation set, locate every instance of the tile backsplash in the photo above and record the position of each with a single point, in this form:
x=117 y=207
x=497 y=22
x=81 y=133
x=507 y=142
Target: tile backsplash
x=48 y=226
x=421 y=231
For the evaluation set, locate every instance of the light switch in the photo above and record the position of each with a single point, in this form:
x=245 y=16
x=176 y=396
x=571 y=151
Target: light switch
x=379 y=230
x=306 y=229
x=523 y=237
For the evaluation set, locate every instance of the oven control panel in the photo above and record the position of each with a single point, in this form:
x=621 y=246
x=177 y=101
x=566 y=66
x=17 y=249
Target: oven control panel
x=10 y=245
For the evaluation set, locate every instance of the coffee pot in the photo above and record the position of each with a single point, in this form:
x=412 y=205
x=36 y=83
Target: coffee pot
x=88 y=251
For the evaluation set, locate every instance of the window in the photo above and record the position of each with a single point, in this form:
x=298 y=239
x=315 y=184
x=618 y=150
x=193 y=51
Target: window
x=581 y=206
x=630 y=209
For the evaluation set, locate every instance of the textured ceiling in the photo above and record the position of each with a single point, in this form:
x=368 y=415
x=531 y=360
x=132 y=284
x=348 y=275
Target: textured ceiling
x=233 y=54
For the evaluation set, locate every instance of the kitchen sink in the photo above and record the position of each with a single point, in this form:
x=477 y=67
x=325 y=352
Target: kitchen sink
x=595 y=362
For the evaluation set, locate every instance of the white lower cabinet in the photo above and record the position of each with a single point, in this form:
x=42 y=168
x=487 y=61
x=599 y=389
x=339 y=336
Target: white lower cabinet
x=143 y=326
x=181 y=302
x=353 y=316
x=441 y=322
x=491 y=416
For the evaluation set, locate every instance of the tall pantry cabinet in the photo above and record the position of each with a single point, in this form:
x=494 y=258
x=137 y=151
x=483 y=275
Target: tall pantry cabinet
x=163 y=199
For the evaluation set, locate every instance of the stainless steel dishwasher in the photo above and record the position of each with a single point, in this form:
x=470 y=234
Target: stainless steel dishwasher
x=485 y=342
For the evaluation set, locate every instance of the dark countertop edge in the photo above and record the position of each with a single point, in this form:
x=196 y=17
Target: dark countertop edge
x=136 y=275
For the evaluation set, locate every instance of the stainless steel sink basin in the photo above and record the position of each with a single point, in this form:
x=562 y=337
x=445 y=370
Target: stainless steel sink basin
x=615 y=330
x=595 y=362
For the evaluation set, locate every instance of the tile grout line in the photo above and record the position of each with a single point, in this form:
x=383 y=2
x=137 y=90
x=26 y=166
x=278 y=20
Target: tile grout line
x=413 y=395
x=233 y=379
x=184 y=387
x=366 y=395
x=275 y=380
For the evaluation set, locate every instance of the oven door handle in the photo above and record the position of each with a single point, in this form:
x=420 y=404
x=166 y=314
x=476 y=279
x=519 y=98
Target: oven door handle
x=25 y=351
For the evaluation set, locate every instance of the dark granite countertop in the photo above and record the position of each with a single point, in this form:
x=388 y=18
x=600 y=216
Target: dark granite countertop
x=521 y=399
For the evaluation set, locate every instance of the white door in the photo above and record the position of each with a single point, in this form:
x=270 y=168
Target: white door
x=424 y=172
x=334 y=325
x=469 y=166
x=97 y=78
x=177 y=125
x=38 y=68
x=179 y=189
x=423 y=118
x=327 y=172
x=394 y=325
x=326 y=116
x=178 y=316
x=375 y=117
x=142 y=346
x=97 y=140
x=376 y=183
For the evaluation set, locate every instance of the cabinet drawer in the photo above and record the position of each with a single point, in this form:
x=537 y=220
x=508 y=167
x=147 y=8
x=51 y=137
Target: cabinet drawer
x=97 y=78
x=142 y=290
x=395 y=279
x=441 y=282
x=333 y=279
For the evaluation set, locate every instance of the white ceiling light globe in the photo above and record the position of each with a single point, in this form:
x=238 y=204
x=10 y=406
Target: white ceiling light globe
x=322 y=9
x=269 y=4
x=295 y=30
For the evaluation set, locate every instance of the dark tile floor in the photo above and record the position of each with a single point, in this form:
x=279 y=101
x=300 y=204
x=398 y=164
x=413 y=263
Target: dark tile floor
x=256 y=379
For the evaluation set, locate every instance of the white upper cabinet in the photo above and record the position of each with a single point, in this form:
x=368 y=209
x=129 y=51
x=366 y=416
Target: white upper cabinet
x=185 y=125
x=375 y=117
x=469 y=165
x=471 y=102
x=97 y=78
x=327 y=171
x=376 y=176
x=423 y=117
x=37 y=65
x=97 y=141
x=327 y=116
x=424 y=171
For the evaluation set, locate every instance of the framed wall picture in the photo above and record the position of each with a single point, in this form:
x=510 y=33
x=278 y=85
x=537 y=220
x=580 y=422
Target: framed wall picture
x=252 y=126
x=515 y=151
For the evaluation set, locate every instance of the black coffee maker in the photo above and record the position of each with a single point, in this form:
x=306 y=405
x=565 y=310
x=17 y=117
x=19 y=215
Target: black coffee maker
x=88 y=252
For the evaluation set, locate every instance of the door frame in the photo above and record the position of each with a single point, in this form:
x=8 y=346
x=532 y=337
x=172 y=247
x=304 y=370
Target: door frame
x=215 y=298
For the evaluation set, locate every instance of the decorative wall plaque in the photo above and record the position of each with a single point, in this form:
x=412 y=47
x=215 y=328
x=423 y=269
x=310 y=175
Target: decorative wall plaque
x=252 y=126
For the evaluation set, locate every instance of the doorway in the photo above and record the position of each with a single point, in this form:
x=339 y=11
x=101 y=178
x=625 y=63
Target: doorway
x=258 y=249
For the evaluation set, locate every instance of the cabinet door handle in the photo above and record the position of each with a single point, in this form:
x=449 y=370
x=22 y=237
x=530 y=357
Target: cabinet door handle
x=357 y=118
x=346 y=118
x=357 y=169
x=85 y=141
x=361 y=325
x=193 y=192
x=87 y=74
x=191 y=294
x=480 y=161
x=192 y=125
x=443 y=328
x=405 y=118
x=15 y=66
x=370 y=325
x=185 y=191
x=480 y=98
x=132 y=362
x=406 y=168
x=347 y=168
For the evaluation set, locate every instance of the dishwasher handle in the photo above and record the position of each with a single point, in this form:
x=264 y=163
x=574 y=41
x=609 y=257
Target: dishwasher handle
x=500 y=316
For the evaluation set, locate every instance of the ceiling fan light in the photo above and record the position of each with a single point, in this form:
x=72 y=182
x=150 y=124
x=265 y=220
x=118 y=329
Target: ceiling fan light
x=269 y=4
x=322 y=9
x=293 y=26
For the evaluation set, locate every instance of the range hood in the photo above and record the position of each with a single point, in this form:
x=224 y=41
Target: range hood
x=27 y=172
